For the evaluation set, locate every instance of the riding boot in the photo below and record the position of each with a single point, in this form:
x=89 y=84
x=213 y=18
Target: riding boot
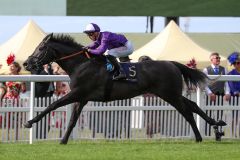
x=121 y=74
x=124 y=59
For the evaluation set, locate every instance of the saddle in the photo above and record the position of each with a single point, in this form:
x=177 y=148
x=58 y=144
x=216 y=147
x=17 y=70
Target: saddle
x=130 y=70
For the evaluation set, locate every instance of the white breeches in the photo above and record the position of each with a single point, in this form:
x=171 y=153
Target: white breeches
x=123 y=51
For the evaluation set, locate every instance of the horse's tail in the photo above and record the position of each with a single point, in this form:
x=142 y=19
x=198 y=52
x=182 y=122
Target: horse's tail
x=192 y=76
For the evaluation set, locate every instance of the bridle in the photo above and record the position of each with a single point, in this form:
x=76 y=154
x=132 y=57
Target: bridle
x=38 y=62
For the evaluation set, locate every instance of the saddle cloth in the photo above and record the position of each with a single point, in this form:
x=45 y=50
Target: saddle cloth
x=130 y=70
x=131 y=73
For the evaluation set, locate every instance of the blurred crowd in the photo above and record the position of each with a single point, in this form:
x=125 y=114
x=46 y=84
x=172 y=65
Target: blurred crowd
x=16 y=90
x=13 y=90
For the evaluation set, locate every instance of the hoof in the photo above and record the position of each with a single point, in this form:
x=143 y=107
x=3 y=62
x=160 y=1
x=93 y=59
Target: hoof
x=27 y=125
x=218 y=133
x=63 y=142
x=221 y=123
x=198 y=140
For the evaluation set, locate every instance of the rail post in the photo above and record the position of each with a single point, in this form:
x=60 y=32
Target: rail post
x=32 y=95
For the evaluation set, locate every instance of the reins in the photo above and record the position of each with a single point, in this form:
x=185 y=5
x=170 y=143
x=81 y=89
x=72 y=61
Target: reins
x=74 y=54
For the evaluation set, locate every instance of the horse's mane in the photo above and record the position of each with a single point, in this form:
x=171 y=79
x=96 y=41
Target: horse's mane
x=69 y=41
x=66 y=39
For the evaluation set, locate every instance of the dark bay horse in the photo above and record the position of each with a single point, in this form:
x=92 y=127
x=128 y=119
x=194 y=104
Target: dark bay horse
x=89 y=79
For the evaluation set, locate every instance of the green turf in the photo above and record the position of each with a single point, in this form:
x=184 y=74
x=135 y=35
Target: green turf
x=123 y=150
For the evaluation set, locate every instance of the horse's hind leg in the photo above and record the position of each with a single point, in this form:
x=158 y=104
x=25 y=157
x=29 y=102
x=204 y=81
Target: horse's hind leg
x=194 y=107
x=73 y=120
x=182 y=108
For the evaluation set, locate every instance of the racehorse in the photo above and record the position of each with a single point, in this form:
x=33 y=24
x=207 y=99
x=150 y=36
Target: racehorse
x=90 y=78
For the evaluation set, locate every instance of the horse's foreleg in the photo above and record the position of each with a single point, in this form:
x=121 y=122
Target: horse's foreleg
x=188 y=115
x=193 y=124
x=73 y=120
x=67 y=99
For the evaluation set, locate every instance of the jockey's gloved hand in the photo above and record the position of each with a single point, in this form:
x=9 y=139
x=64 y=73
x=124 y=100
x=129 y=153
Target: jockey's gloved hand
x=85 y=49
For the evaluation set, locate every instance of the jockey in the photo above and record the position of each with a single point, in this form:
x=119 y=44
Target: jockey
x=116 y=45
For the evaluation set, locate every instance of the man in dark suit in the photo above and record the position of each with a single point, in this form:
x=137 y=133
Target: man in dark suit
x=218 y=88
x=43 y=90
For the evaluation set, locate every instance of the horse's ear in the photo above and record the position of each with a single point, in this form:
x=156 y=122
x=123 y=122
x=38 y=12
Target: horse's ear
x=48 y=37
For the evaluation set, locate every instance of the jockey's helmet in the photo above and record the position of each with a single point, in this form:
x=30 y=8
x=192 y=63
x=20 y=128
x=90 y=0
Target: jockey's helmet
x=92 y=27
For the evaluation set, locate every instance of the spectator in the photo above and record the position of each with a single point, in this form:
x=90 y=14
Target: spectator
x=217 y=88
x=62 y=88
x=2 y=88
x=2 y=91
x=44 y=90
x=234 y=60
x=13 y=90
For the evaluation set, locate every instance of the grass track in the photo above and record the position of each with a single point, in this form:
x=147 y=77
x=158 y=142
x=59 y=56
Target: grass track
x=124 y=150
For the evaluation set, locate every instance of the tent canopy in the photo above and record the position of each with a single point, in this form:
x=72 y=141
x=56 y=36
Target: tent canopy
x=21 y=45
x=173 y=44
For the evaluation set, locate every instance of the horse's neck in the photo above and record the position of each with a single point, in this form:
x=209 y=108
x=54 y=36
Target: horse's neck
x=65 y=67
x=71 y=60
x=80 y=63
x=69 y=65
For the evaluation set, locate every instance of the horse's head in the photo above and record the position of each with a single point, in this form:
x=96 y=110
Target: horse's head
x=61 y=49
x=43 y=54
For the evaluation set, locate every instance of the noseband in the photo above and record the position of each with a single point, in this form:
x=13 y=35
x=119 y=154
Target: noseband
x=38 y=63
